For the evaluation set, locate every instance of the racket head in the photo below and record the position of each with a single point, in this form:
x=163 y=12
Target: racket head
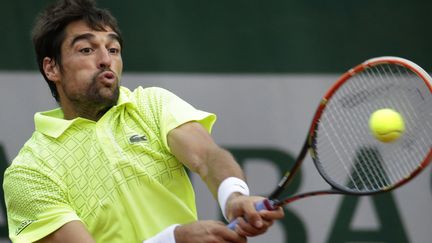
x=341 y=145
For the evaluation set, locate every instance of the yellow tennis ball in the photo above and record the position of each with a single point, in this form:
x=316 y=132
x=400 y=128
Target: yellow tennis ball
x=386 y=125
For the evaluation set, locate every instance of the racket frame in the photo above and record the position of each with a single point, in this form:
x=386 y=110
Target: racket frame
x=273 y=203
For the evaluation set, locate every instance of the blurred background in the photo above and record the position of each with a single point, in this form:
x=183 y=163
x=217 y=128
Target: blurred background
x=262 y=67
x=273 y=36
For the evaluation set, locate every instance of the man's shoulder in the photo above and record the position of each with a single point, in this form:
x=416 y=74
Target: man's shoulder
x=29 y=155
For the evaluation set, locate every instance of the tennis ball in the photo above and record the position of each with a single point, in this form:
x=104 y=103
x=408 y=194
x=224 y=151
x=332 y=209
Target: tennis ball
x=386 y=125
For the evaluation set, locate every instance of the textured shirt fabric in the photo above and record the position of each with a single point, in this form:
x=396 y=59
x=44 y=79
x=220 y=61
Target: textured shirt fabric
x=116 y=175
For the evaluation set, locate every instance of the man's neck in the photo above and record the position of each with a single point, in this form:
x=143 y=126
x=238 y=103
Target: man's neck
x=90 y=112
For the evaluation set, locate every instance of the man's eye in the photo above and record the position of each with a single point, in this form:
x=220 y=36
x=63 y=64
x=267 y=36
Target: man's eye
x=86 y=50
x=114 y=50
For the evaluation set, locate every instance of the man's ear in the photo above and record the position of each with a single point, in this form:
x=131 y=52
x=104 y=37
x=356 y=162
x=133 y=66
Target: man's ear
x=51 y=69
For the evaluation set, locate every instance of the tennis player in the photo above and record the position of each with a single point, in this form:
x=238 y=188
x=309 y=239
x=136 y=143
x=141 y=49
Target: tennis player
x=108 y=165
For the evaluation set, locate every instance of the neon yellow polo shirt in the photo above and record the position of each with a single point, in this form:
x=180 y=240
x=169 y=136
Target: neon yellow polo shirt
x=116 y=175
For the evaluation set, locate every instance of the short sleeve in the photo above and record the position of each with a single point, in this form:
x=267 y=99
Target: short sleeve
x=36 y=205
x=171 y=111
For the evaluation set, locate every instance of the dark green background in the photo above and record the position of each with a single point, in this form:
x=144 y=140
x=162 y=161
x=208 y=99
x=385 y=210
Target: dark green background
x=271 y=36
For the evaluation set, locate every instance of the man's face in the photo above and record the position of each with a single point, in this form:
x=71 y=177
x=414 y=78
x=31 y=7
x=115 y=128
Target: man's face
x=91 y=67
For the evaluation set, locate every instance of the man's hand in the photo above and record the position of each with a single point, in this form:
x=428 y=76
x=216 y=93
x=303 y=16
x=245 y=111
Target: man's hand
x=207 y=232
x=250 y=222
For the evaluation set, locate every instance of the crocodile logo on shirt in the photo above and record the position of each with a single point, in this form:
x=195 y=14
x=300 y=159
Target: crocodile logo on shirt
x=137 y=138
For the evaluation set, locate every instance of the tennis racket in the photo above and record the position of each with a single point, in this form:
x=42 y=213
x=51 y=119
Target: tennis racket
x=346 y=154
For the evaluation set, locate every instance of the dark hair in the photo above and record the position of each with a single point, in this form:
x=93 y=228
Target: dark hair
x=49 y=31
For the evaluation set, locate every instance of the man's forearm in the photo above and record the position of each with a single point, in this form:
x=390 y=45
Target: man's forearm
x=219 y=166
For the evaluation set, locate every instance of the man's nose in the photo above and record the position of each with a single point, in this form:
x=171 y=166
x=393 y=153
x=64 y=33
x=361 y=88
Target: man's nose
x=104 y=59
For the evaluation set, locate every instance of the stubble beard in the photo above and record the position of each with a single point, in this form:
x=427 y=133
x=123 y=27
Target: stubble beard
x=96 y=99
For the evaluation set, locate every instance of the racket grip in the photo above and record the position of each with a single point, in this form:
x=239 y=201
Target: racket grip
x=265 y=204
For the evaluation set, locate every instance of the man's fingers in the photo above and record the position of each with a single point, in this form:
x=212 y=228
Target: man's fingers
x=272 y=215
x=207 y=231
x=246 y=229
x=252 y=216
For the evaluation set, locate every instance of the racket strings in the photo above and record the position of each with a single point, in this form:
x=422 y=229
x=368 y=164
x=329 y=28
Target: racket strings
x=414 y=115
x=349 y=156
x=367 y=156
x=342 y=143
x=397 y=73
x=408 y=101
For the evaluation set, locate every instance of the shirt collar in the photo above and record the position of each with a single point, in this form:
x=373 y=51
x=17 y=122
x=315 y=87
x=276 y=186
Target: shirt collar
x=53 y=124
